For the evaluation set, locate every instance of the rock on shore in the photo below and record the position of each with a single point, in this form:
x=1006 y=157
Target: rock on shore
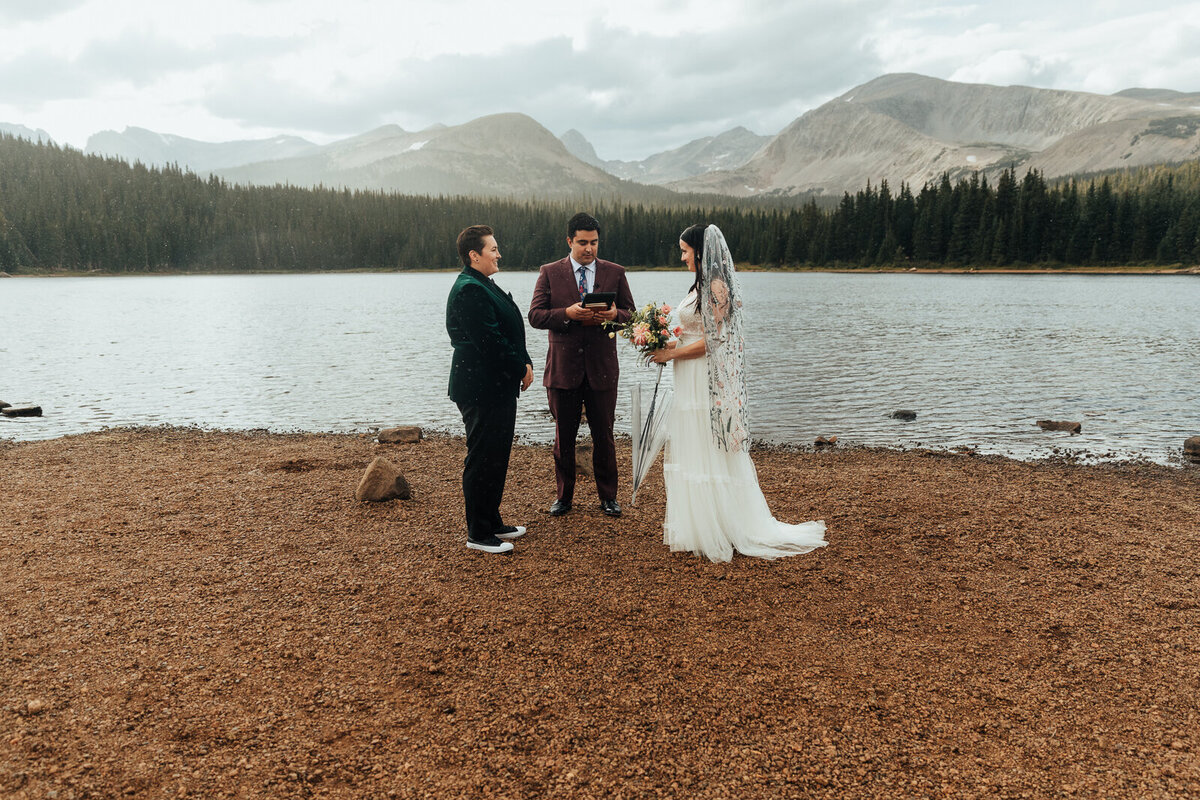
x=23 y=411
x=1053 y=425
x=382 y=481
x=405 y=434
x=1191 y=449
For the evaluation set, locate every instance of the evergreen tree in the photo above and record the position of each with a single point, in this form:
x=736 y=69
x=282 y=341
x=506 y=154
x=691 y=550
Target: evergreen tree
x=62 y=210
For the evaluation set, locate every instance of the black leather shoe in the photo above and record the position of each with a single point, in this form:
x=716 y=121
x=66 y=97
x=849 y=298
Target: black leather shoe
x=560 y=507
x=610 y=507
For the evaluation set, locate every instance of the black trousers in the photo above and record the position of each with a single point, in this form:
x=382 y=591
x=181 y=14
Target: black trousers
x=566 y=406
x=490 y=429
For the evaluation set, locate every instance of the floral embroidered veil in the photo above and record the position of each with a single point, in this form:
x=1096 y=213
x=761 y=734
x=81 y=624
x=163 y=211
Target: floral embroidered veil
x=720 y=304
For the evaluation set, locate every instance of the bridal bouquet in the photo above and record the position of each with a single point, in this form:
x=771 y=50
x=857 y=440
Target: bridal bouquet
x=647 y=328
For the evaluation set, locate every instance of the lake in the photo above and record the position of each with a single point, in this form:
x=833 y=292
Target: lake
x=980 y=358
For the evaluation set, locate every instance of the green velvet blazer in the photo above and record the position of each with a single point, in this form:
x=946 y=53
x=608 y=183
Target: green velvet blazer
x=487 y=331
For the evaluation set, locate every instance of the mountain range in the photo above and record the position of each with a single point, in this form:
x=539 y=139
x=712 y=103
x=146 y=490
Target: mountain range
x=504 y=155
x=728 y=150
x=160 y=149
x=21 y=132
x=900 y=128
x=912 y=128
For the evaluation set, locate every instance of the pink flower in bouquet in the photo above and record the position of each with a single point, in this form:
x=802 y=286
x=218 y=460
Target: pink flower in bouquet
x=676 y=331
x=648 y=327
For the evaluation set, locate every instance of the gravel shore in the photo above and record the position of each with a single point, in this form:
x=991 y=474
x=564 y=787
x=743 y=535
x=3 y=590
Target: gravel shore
x=192 y=614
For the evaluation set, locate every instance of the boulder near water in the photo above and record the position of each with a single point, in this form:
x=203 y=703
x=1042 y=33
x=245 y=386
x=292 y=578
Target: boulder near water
x=382 y=481
x=4 y=405
x=24 y=411
x=1191 y=449
x=405 y=434
x=904 y=414
x=1051 y=425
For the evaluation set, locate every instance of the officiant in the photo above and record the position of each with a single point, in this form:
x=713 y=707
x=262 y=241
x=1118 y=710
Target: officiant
x=581 y=361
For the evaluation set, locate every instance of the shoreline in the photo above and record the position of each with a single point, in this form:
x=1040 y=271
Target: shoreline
x=1176 y=461
x=194 y=612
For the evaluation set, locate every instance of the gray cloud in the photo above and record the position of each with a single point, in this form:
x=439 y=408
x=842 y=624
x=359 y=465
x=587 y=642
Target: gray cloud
x=35 y=79
x=267 y=101
x=31 y=11
x=631 y=90
x=141 y=58
x=1185 y=45
x=631 y=94
x=135 y=57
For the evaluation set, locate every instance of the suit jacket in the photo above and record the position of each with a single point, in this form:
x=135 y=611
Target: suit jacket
x=578 y=350
x=488 y=335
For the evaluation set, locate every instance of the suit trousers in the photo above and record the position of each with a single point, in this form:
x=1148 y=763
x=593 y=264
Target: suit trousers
x=566 y=406
x=490 y=428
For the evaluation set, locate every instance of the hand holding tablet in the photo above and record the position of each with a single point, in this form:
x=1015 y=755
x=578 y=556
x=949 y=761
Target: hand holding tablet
x=598 y=300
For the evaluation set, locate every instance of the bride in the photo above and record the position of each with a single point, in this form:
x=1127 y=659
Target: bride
x=714 y=504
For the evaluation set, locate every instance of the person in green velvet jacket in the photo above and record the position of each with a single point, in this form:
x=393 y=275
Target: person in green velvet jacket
x=491 y=368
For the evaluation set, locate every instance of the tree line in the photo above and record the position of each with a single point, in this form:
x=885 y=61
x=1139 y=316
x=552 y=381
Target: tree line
x=1149 y=216
x=63 y=210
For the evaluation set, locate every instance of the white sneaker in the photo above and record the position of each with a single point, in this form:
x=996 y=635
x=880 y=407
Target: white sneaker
x=512 y=532
x=489 y=545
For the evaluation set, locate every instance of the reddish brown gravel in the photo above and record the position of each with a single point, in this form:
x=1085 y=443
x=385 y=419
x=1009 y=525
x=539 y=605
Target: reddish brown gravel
x=214 y=615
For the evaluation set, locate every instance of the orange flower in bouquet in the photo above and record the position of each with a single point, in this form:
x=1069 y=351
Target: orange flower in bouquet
x=647 y=328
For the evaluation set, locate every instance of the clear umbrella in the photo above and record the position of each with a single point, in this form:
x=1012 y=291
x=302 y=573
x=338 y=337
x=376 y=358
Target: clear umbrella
x=648 y=429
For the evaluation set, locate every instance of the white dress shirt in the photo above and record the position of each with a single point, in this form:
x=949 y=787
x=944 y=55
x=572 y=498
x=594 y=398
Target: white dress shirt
x=589 y=273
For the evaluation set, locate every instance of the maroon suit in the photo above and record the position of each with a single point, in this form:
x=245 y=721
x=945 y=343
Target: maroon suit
x=581 y=370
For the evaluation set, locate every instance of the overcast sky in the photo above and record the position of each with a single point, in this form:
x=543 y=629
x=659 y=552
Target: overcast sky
x=634 y=76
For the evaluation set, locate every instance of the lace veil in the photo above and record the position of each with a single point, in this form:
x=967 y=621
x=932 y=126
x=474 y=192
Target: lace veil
x=720 y=303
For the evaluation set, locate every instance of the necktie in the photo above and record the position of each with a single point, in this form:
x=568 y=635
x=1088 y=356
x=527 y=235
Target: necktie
x=582 y=282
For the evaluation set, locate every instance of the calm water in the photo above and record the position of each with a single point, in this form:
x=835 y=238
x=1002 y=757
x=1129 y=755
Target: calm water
x=980 y=358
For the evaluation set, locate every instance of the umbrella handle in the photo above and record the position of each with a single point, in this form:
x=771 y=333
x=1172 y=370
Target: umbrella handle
x=653 y=401
x=647 y=423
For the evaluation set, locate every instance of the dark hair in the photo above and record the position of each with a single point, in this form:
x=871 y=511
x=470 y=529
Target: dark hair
x=693 y=237
x=471 y=239
x=582 y=222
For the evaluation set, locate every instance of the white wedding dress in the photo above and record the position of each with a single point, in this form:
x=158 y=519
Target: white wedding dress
x=714 y=503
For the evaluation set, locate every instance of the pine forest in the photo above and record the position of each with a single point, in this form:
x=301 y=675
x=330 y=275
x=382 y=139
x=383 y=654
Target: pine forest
x=61 y=210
